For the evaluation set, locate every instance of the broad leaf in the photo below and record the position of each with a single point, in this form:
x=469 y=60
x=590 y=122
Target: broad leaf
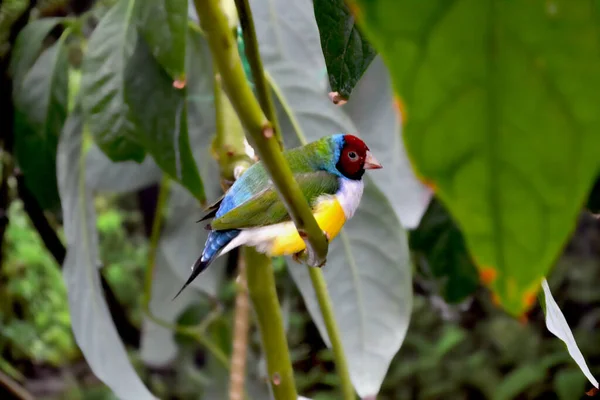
x=347 y=53
x=182 y=239
x=41 y=106
x=368 y=275
x=159 y=111
x=158 y=347
x=479 y=103
x=93 y=327
x=27 y=48
x=557 y=324
x=372 y=110
x=442 y=254
x=103 y=83
x=105 y=175
x=164 y=27
x=288 y=34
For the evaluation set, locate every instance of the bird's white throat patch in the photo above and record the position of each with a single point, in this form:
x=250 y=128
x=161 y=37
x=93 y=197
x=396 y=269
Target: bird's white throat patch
x=349 y=195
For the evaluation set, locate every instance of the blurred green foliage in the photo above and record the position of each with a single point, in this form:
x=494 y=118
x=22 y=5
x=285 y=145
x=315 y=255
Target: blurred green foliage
x=34 y=312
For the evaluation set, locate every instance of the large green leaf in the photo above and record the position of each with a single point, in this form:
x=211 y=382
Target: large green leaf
x=27 y=48
x=164 y=27
x=93 y=327
x=182 y=239
x=347 y=53
x=41 y=110
x=368 y=275
x=501 y=102
x=159 y=111
x=372 y=110
x=103 y=83
x=442 y=254
x=108 y=176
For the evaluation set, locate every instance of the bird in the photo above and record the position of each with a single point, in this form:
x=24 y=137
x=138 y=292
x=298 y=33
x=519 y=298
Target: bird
x=329 y=172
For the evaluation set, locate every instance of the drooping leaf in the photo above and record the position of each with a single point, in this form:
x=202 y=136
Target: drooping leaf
x=557 y=324
x=93 y=327
x=159 y=111
x=444 y=254
x=347 y=53
x=103 y=83
x=157 y=343
x=182 y=239
x=368 y=276
x=41 y=106
x=479 y=104
x=27 y=48
x=164 y=27
x=288 y=34
x=372 y=110
x=105 y=175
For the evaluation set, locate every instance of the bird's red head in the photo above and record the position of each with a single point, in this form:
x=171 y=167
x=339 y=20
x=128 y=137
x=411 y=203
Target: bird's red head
x=355 y=157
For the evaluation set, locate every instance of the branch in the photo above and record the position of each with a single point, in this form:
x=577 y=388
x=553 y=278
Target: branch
x=230 y=152
x=319 y=284
x=261 y=285
x=12 y=389
x=260 y=130
x=256 y=66
x=240 y=335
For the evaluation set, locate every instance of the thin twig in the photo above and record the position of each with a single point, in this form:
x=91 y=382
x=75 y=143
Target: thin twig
x=13 y=388
x=256 y=66
x=240 y=335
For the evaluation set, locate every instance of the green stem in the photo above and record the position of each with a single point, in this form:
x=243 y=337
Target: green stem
x=260 y=130
x=341 y=365
x=261 y=286
x=319 y=284
x=256 y=66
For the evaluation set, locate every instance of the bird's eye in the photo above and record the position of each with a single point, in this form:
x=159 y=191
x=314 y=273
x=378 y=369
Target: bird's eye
x=352 y=155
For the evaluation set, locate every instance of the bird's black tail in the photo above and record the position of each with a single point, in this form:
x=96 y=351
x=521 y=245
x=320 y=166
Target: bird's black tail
x=215 y=242
x=198 y=267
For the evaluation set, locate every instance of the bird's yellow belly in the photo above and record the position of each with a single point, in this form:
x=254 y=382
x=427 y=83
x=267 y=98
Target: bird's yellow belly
x=330 y=218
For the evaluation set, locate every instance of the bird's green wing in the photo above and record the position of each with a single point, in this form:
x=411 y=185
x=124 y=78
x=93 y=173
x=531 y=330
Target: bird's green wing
x=265 y=207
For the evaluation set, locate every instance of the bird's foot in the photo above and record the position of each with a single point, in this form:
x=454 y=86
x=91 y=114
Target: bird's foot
x=299 y=257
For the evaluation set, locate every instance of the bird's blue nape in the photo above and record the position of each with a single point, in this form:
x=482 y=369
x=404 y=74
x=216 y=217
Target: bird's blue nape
x=337 y=142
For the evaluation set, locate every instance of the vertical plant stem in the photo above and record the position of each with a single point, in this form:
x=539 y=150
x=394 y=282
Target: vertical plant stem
x=256 y=66
x=261 y=286
x=341 y=365
x=318 y=281
x=263 y=89
x=240 y=335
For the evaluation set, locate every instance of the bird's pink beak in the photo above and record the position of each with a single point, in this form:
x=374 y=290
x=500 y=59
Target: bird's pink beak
x=371 y=162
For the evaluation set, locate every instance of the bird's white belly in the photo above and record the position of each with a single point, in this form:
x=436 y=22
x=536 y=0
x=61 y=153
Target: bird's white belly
x=331 y=212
